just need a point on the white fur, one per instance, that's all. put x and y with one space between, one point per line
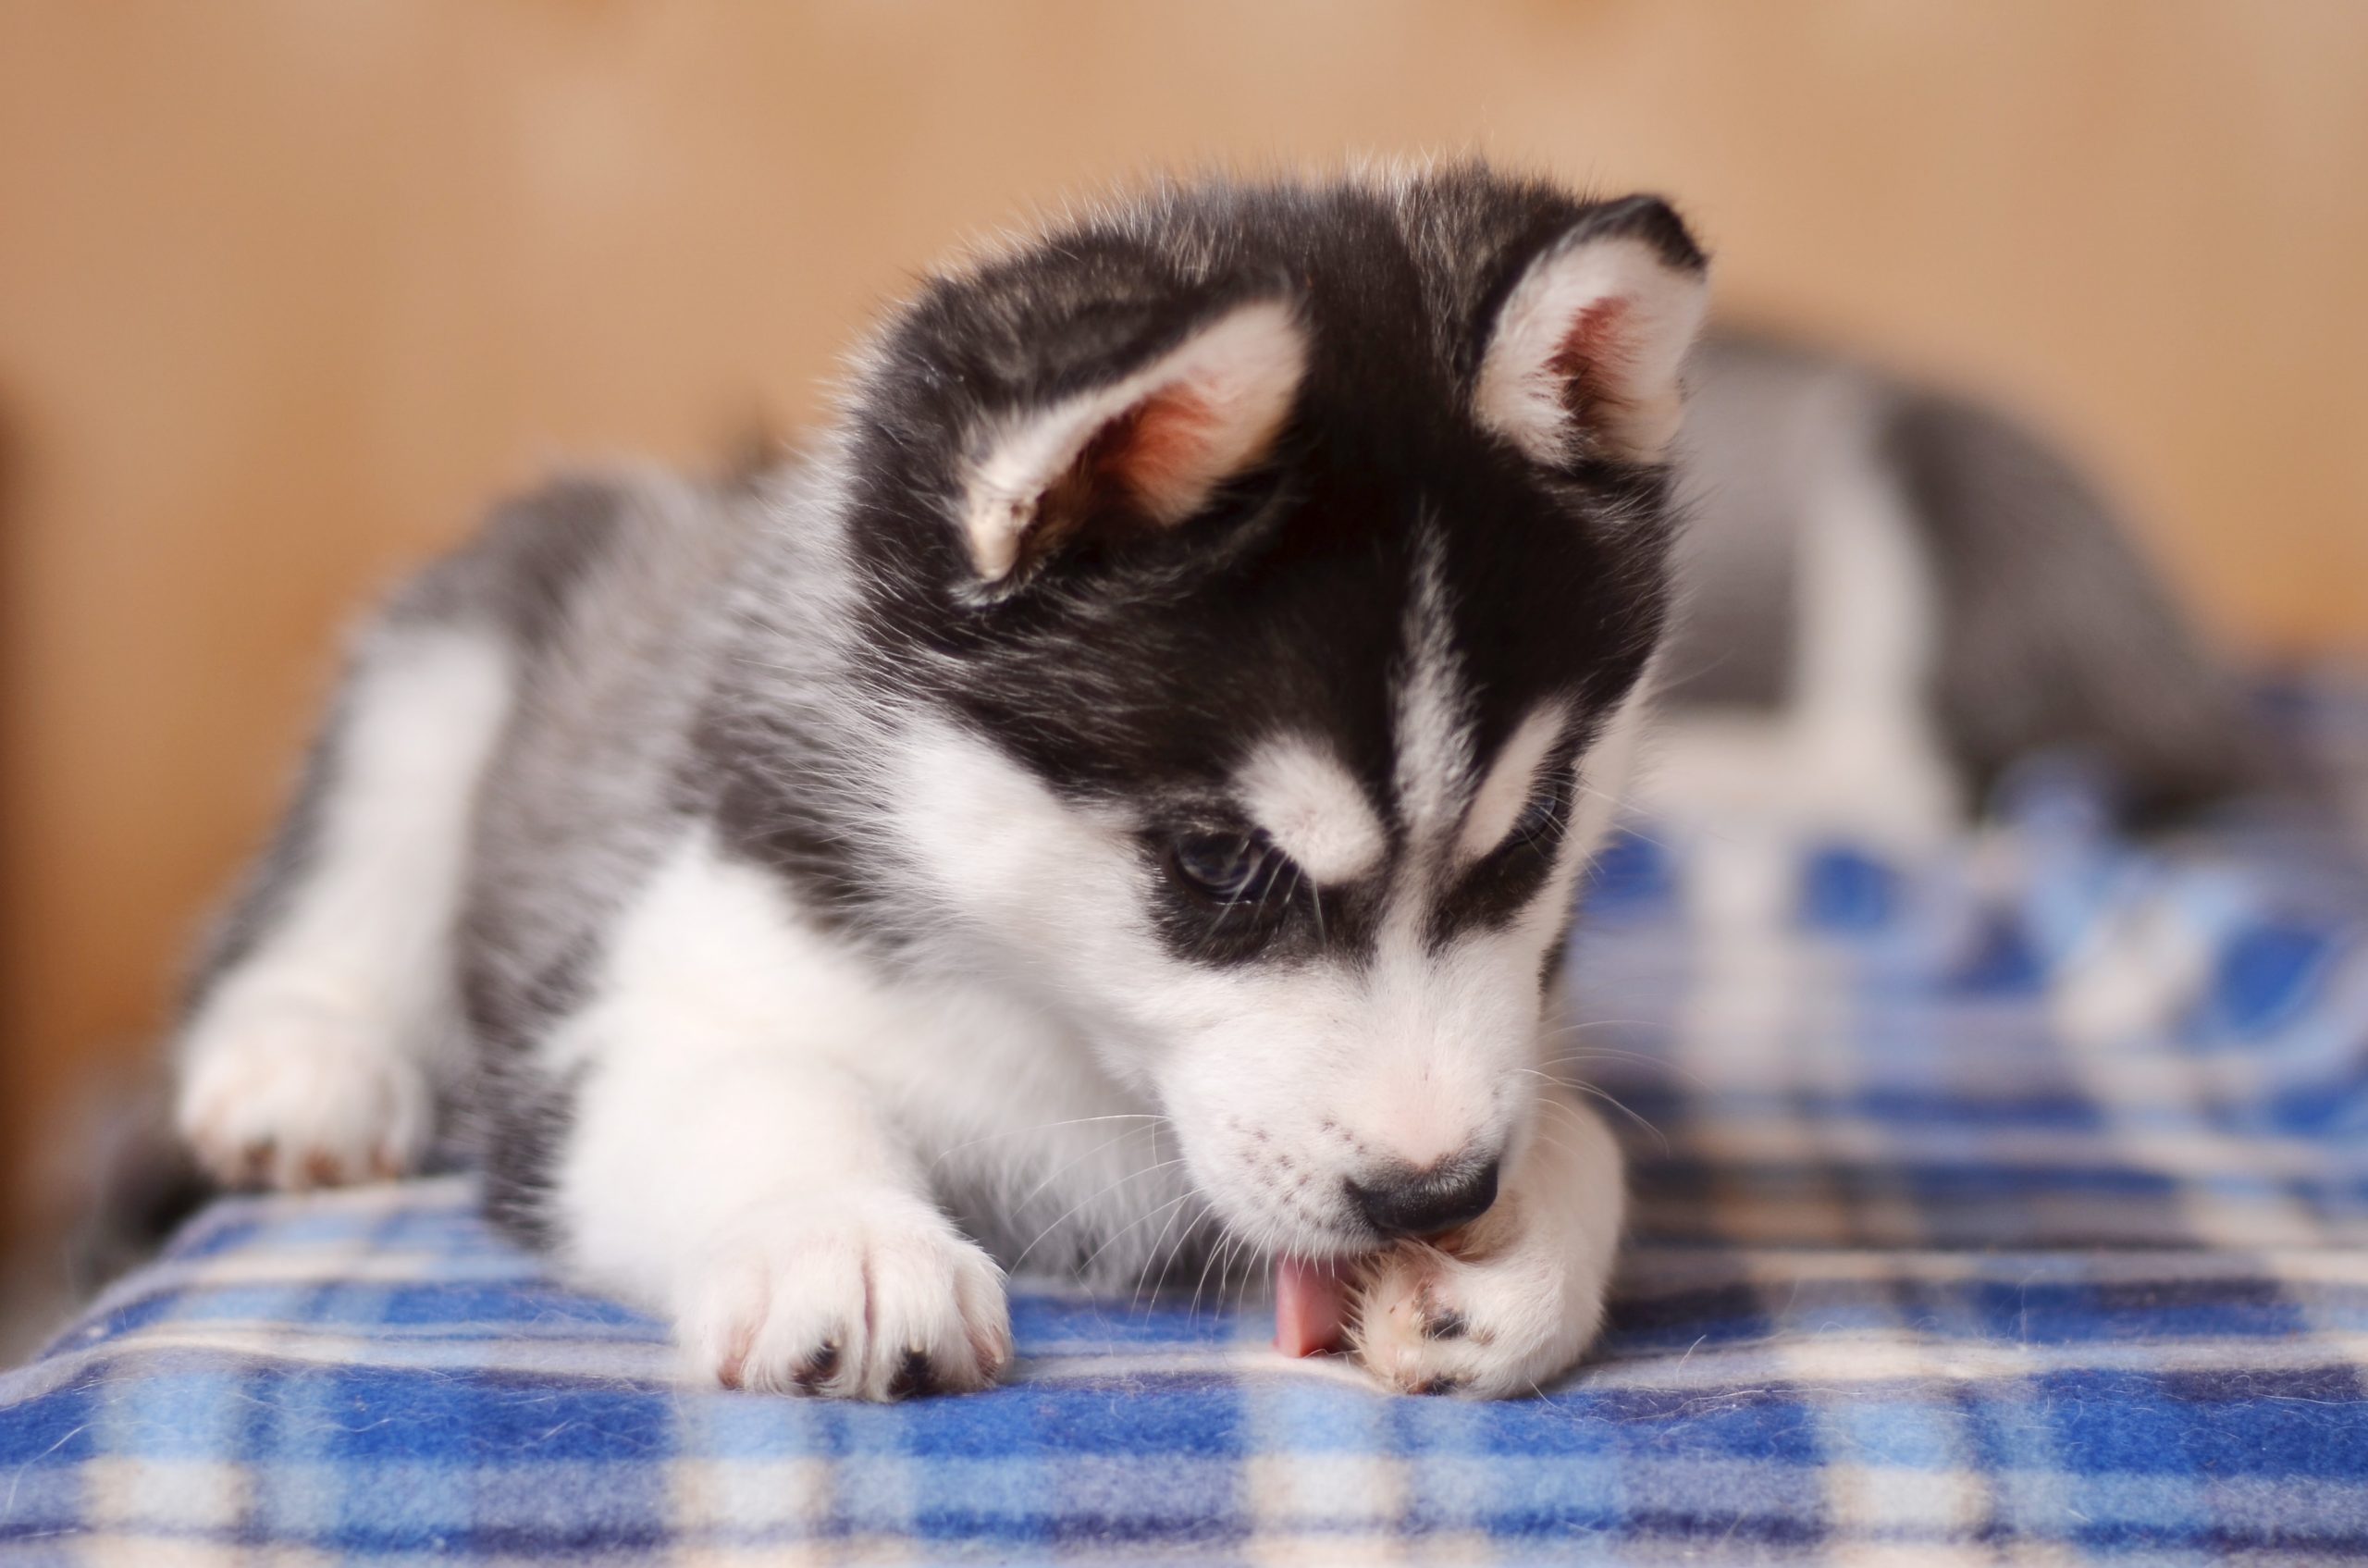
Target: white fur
1856 753
732 1167
1650 312
1434 740
1870 618
1511 781
1313 808
1038 895
1039 1127
1608 769
313 1060
1243 369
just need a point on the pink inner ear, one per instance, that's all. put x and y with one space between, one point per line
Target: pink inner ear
1160 449
1156 457
1593 361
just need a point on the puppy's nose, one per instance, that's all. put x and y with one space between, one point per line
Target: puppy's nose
1407 1202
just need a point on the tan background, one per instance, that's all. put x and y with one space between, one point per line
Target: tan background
288 289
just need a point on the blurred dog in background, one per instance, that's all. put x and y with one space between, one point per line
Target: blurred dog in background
1890 594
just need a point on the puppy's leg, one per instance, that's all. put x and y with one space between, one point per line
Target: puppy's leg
1511 1301
728 1166
307 1057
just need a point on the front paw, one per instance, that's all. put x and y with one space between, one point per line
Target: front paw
1429 1321
1508 1304
289 1092
877 1301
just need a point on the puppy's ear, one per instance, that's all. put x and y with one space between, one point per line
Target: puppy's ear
1146 449
1582 360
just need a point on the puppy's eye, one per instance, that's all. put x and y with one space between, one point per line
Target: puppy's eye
1231 868
1542 820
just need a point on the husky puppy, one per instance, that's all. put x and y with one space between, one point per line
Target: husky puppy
1890 594
1114 804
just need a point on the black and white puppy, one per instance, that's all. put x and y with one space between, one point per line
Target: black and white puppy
1114 804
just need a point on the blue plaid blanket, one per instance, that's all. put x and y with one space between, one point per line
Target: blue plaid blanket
2011 1207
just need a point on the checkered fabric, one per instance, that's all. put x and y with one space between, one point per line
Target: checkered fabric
2007 1206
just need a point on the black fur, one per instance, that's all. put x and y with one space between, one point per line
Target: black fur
1136 667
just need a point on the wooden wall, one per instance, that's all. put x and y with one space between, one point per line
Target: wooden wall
288 289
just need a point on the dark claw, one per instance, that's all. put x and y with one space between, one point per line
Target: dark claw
817 1368
255 1163
1439 1386
915 1377
1448 1324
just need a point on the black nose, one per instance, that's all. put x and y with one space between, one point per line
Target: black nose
1423 1203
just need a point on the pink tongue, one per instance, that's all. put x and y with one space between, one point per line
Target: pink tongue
1311 1307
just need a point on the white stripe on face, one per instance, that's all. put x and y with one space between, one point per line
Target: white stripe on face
1511 780
1313 808
1433 728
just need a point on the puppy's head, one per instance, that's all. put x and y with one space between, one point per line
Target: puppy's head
1264 576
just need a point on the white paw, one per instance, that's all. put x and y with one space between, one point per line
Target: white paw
876 1302
1509 1303
289 1092
1428 1322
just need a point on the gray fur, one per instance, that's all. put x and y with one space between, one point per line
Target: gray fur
617 632
2053 632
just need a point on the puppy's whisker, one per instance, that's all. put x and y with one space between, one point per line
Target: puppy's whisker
1086 1266
1153 1259
1616 1104
1072 1162
1224 1250
1556 1031
1084 1204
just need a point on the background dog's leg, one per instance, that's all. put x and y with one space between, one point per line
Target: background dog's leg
309 1055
